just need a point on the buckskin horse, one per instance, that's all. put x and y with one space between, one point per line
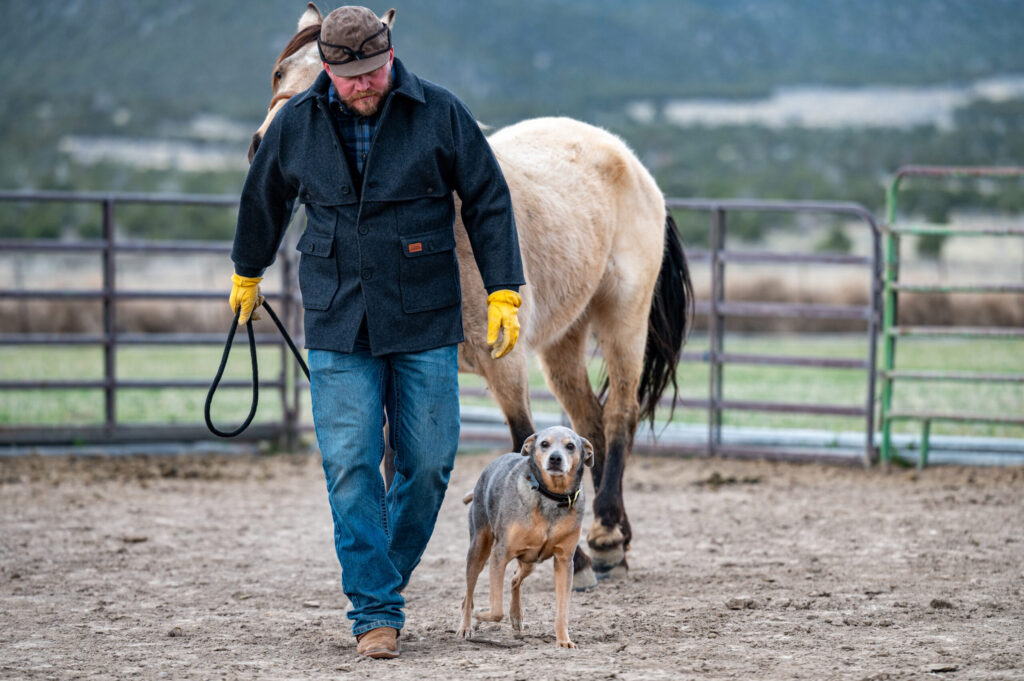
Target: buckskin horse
601 255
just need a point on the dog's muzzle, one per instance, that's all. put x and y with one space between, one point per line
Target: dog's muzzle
556 463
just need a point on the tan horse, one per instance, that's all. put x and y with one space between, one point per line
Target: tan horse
600 255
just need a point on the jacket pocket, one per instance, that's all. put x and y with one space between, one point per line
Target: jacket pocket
318 271
424 214
429 275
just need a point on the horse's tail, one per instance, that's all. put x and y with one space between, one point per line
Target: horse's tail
668 324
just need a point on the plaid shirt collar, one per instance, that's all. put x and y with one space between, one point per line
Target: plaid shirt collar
356 131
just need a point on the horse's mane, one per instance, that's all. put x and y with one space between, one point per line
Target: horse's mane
298 41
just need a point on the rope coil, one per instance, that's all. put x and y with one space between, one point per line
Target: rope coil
255 370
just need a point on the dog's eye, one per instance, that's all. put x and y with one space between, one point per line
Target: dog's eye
570 446
545 444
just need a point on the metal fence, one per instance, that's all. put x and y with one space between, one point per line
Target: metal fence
718 308
107 248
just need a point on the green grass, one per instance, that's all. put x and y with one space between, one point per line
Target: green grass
142 405
741 382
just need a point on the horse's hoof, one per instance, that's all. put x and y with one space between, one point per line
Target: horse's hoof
609 563
584 580
616 572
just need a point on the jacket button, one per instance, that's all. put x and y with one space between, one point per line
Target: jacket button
367 273
364 230
346 189
312 248
430 190
306 196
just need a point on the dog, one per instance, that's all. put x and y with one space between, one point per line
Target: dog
527 506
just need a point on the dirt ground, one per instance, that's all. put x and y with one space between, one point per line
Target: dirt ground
223 568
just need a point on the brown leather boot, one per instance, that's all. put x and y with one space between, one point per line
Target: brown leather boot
379 643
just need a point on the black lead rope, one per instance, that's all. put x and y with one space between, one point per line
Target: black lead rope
255 370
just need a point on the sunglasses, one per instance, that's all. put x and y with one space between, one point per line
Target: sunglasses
354 55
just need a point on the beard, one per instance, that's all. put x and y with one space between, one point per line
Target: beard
369 102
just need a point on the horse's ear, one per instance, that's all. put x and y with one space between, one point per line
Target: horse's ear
311 17
389 18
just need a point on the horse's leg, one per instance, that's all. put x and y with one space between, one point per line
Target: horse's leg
583 577
564 366
622 336
509 381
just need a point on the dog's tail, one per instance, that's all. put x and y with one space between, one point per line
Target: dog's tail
468 499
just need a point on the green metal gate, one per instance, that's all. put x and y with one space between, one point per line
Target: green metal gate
892 330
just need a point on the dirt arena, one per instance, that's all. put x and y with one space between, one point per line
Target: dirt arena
223 568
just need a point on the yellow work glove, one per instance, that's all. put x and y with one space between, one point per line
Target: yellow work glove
502 313
245 293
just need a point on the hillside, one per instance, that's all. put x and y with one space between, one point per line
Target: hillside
83 79
508 58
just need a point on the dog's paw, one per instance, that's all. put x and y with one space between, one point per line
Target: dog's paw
485 615
566 644
517 622
465 632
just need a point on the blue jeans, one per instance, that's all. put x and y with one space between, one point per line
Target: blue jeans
379 537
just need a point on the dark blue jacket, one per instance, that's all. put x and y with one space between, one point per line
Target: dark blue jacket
386 249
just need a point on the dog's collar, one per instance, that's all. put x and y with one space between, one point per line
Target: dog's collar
564 500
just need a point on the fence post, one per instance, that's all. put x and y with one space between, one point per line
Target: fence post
889 303
716 330
289 407
876 321
109 320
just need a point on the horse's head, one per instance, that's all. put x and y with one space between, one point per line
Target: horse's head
295 70
297 67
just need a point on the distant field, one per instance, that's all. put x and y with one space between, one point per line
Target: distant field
742 382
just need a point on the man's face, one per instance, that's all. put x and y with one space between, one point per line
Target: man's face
364 94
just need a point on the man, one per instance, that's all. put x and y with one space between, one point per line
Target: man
375 153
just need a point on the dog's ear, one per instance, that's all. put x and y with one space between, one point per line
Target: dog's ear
588 452
527 449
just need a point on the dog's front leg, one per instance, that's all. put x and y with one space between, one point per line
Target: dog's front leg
478 552
515 605
563 587
499 560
